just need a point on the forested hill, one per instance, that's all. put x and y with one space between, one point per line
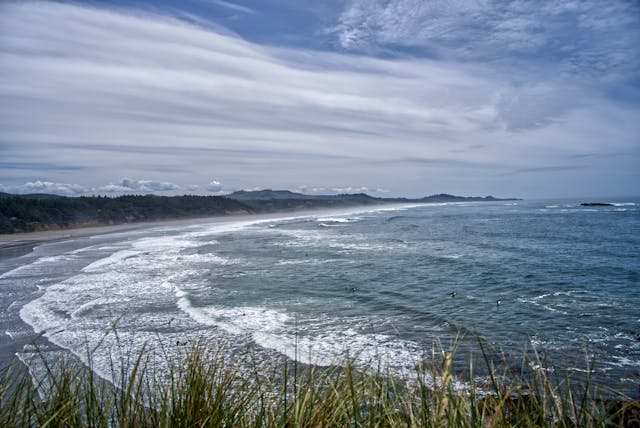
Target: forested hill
283 200
269 201
28 213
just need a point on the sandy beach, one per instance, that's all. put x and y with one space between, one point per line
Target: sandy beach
15 243
21 243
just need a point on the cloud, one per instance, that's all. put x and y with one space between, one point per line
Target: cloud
101 78
115 94
350 189
587 37
327 190
124 186
128 185
548 168
131 186
234 6
130 80
65 189
214 186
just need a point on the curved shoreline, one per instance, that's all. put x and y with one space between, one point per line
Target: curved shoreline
21 243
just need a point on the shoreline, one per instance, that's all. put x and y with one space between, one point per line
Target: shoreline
27 238
24 242
169 227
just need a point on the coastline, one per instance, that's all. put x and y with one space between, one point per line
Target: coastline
24 242
158 229
15 244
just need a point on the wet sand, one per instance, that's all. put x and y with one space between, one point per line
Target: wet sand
21 243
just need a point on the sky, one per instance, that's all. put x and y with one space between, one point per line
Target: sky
531 99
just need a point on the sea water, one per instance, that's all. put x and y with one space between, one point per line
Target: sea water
387 285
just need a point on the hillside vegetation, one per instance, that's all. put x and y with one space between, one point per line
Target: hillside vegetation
28 214
35 212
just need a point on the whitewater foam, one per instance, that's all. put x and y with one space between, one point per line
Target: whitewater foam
257 285
326 348
338 219
234 320
38 266
113 259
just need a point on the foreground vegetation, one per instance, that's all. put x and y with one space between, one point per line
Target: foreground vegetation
200 390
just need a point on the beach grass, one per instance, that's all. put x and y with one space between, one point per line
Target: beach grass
202 389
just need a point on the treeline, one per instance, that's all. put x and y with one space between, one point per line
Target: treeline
44 212
29 213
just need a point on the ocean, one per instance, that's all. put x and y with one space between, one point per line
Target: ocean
390 285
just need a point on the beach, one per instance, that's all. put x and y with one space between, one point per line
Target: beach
391 287
30 239
262 284
14 244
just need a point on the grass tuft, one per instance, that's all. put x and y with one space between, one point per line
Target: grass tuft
202 389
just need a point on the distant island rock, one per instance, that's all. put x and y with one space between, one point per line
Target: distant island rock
596 204
36 212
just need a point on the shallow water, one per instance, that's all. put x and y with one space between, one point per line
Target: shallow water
375 283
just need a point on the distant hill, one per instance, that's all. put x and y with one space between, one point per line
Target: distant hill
280 195
28 213
269 201
33 212
444 197
265 195
268 194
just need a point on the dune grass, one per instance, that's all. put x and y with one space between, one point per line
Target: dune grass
201 389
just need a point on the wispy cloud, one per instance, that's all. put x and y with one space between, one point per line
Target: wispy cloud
123 95
124 186
548 169
589 37
128 185
321 190
42 166
234 6
49 187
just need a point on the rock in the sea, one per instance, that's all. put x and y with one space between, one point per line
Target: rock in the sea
596 204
